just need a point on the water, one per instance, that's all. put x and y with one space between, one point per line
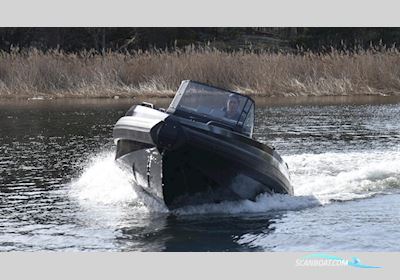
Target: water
61 190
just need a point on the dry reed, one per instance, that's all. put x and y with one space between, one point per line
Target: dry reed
57 74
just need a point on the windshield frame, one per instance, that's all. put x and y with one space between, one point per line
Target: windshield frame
236 125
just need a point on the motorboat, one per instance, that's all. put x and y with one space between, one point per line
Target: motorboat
200 149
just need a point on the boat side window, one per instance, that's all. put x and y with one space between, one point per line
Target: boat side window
248 125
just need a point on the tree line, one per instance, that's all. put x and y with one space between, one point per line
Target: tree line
102 39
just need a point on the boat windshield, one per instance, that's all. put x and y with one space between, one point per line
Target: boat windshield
214 106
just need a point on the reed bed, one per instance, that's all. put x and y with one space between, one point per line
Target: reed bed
55 74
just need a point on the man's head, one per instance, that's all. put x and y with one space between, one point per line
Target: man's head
232 105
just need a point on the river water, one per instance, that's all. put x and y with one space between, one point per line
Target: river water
61 190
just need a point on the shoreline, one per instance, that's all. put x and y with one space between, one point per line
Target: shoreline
164 101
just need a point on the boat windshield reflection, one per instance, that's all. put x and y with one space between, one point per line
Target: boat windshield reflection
204 103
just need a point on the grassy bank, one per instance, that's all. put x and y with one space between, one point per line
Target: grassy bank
56 74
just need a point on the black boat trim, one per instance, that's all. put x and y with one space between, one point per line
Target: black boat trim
225 134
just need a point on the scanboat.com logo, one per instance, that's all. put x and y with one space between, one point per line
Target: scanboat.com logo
329 260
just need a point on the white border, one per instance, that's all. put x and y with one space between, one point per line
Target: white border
201 13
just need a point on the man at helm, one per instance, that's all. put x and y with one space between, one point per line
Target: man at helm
232 107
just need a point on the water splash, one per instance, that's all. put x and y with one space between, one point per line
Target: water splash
263 203
104 182
317 178
345 176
